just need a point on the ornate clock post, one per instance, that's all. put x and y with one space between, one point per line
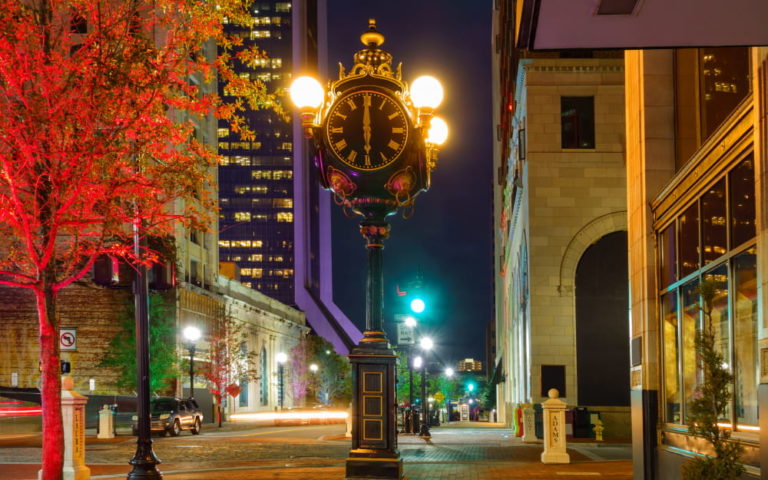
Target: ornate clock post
376 144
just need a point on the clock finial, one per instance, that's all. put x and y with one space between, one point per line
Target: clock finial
372 38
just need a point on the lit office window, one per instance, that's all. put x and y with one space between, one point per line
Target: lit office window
284 217
242 216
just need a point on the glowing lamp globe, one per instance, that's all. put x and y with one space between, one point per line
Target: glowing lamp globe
306 92
417 305
438 131
192 334
281 357
313 367
426 343
426 92
449 372
417 361
410 322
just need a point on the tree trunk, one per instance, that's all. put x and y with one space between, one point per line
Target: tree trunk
50 390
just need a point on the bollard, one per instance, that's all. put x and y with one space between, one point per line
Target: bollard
73 418
598 430
554 430
529 424
106 422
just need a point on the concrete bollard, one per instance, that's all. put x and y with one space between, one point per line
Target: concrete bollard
73 413
554 430
106 423
529 424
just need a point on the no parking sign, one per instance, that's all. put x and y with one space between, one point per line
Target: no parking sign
67 339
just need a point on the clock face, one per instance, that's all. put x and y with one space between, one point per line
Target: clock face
367 130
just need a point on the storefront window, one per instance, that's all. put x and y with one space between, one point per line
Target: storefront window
691 323
745 336
716 246
742 199
719 318
714 231
669 256
671 359
689 240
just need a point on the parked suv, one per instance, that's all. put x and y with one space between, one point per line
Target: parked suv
171 415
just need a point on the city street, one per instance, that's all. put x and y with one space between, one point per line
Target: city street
459 451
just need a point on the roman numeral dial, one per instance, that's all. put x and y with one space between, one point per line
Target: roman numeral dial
367 130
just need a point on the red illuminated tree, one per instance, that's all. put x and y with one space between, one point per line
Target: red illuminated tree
300 378
98 107
229 360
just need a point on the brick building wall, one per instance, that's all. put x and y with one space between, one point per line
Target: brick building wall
93 310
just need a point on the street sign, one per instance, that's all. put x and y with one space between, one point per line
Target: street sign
68 339
405 335
439 396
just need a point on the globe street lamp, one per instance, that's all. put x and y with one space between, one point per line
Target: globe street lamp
426 345
375 153
281 359
192 335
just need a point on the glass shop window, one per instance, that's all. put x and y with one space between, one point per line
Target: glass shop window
714 231
689 240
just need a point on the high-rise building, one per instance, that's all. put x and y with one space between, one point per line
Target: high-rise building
469 365
256 177
275 220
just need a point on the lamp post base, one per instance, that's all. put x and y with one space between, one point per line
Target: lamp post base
374 466
374 453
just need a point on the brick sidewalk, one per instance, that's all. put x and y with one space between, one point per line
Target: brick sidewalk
452 453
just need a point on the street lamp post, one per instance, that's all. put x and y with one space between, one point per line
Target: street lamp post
410 322
415 422
144 461
449 372
376 145
426 345
192 334
281 359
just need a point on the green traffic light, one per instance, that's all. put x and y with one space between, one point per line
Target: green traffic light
471 387
417 305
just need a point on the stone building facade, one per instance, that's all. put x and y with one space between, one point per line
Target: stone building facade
696 116
563 195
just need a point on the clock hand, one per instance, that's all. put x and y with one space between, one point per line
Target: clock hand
367 128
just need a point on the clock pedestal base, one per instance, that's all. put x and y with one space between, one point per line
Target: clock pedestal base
374 453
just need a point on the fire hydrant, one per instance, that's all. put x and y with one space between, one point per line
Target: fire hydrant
598 430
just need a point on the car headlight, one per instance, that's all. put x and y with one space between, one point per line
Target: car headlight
164 416
135 418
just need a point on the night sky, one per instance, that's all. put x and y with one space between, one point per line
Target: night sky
449 238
